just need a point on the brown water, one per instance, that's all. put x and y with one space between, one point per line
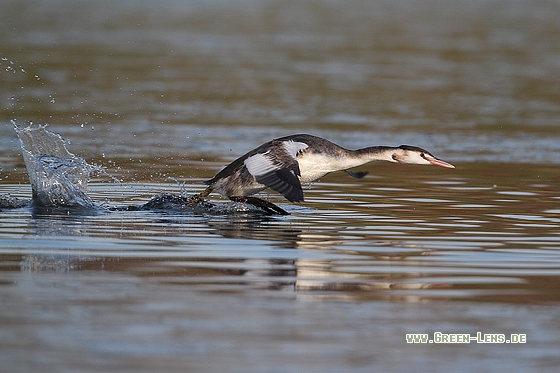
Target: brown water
164 94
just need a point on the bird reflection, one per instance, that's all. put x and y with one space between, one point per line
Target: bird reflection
280 255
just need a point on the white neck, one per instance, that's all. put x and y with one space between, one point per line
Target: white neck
316 165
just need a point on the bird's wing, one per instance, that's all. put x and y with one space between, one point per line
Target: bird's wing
278 169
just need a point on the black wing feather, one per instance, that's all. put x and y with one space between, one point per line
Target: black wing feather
285 182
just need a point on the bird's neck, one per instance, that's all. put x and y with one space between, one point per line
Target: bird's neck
314 165
370 154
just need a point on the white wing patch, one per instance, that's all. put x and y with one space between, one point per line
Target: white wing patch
278 168
259 164
294 147
263 163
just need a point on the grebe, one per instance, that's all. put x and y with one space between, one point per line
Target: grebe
285 163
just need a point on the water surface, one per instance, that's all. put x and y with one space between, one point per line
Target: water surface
162 96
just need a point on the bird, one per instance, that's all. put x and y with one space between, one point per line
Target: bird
285 163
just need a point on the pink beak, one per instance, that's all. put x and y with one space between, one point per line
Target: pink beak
438 162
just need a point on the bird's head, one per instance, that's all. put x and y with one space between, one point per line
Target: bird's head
415 155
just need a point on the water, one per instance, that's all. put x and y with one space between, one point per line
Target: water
57 177
162 96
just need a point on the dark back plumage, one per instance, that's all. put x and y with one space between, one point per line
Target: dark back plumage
273 164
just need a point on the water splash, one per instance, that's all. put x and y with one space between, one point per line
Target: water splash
57 177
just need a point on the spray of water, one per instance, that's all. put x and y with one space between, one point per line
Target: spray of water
57 177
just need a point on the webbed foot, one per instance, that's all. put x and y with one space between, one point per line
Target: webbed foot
268 207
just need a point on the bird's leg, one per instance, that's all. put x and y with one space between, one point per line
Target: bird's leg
197 198
268 207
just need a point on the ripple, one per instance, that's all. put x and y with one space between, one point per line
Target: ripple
518 193
424 200
475 206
